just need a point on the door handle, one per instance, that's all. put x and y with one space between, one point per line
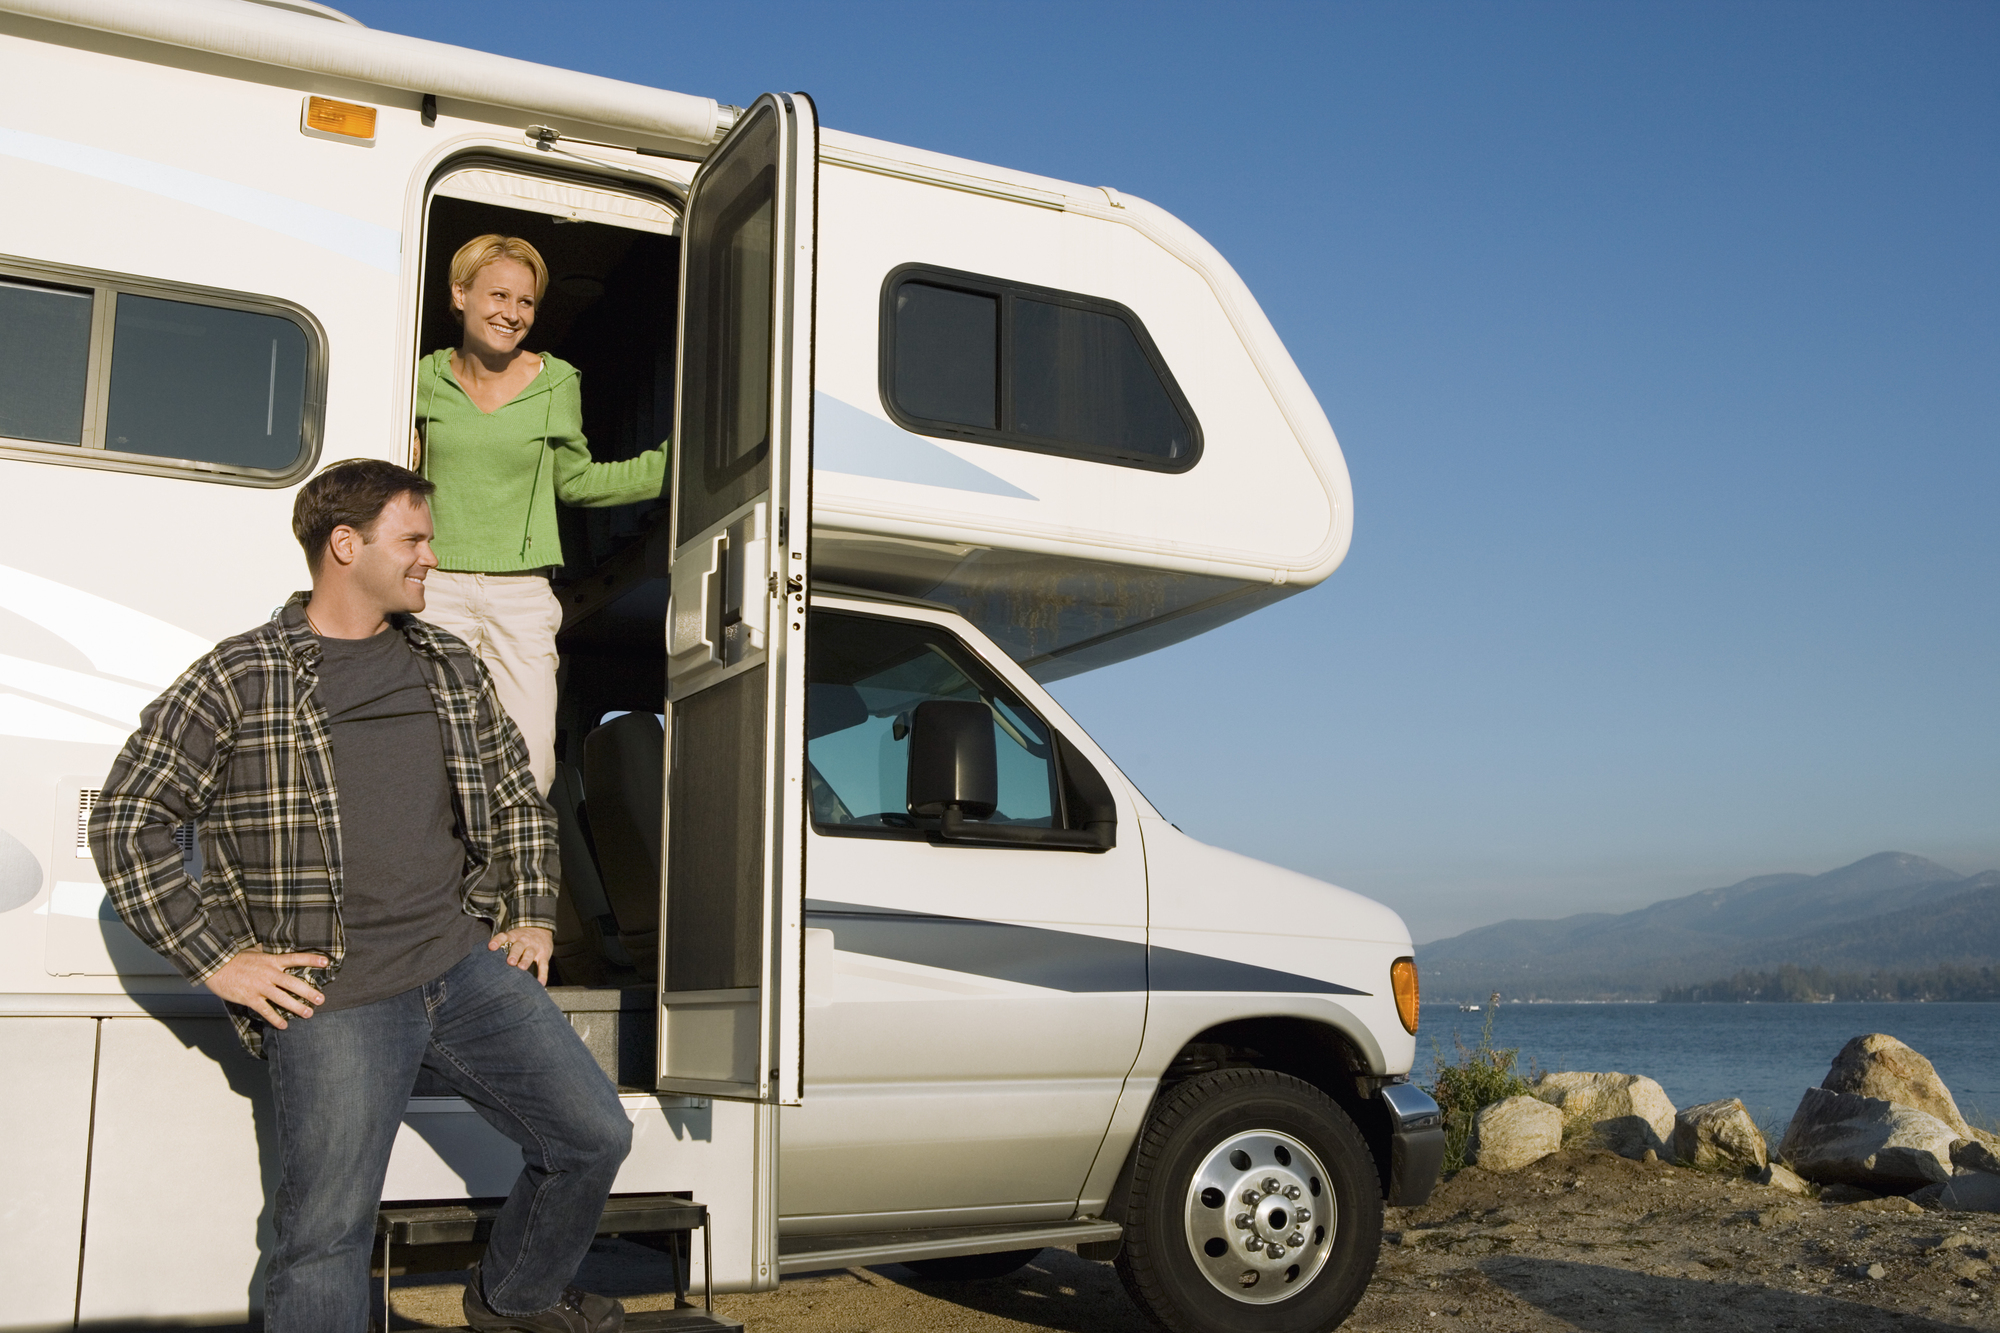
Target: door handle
694 624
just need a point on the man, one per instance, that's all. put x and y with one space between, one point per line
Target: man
378 898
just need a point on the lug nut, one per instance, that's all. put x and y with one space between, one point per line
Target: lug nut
1252 1197
1303 1214
1275 1250
1296 1238
1252 1244
1270 1184
1293 1191
1244 1221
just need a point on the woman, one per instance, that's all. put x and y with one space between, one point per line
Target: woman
500 430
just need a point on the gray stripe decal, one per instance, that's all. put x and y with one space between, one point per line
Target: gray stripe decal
1035 956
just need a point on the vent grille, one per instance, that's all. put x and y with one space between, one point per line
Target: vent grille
86 801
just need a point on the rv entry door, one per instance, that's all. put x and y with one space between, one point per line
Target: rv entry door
732 905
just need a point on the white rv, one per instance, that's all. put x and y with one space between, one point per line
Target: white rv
889 960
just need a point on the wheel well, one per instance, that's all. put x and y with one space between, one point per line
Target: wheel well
1315 1053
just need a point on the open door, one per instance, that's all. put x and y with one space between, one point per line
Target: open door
733 880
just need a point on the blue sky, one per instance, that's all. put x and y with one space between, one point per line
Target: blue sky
1661 341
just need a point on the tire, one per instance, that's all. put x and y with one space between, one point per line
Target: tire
970 1267
1214 1143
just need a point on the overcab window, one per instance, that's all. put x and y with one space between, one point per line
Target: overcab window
976 358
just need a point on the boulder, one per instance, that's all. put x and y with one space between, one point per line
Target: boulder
1879 1066
1508 1135
1719 1136
1781 1177
1973 1192
1973 1155
1626 1113
1838 1138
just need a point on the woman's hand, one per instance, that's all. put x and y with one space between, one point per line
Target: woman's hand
527 947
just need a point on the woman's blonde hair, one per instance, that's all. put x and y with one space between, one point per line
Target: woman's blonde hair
480 251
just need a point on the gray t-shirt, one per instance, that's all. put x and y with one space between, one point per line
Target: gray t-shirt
401 858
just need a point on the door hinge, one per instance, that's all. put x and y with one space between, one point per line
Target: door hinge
773 584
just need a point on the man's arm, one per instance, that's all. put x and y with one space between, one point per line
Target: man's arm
167 774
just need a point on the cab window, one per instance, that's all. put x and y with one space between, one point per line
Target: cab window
865 678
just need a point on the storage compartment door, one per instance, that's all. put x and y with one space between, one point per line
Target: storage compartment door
733 897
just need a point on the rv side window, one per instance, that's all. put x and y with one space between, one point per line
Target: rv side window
975 358
44 361
864 678
127 374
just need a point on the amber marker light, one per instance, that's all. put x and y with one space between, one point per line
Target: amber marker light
1403 980
325 118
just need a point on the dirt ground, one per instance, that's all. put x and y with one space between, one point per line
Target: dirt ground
1579 1241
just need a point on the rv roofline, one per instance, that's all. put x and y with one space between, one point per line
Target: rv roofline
293 39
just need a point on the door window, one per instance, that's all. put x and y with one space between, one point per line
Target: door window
865 678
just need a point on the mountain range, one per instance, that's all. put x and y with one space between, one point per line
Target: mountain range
1891 910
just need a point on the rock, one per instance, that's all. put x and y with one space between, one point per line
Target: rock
1781 1177
1625 1113
1881 1067
1972 1155
1719 1136
1841 1138
1888 1203
1975 1192
1840 1193
1508 1135
1971 1270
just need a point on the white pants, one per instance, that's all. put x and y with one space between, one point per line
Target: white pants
510 620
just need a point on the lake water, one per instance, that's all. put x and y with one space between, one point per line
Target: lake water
1767 1054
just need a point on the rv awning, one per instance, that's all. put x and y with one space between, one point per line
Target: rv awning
297 40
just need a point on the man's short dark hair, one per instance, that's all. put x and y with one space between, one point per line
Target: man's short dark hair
351 493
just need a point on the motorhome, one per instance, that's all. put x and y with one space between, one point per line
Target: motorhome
889 961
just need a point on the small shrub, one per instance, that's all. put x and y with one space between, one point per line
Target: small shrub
1480 1076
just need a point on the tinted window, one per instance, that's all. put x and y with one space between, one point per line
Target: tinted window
206 383
948 354
44 362
975 358
1081 377
864 678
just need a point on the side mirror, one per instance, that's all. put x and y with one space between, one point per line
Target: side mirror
952 763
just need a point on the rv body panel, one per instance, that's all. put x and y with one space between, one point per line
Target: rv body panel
162 149
46 1124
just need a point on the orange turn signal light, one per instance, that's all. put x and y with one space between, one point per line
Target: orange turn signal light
1403 981
339 120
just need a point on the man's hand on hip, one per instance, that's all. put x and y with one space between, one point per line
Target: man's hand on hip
260 983
528 947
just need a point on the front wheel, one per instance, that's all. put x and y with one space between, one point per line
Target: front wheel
1254 1207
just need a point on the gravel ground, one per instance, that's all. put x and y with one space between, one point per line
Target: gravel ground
1579 1241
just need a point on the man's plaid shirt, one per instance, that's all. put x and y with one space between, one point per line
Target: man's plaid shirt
240 745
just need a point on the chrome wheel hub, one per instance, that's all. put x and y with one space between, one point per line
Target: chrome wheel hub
1260 1216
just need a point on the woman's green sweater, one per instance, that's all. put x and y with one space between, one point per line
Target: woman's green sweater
500 474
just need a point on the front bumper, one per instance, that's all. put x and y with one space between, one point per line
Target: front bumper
1416 1143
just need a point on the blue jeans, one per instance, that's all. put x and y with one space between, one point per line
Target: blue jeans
341 1081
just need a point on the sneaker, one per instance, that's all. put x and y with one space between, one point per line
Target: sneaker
578 1311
